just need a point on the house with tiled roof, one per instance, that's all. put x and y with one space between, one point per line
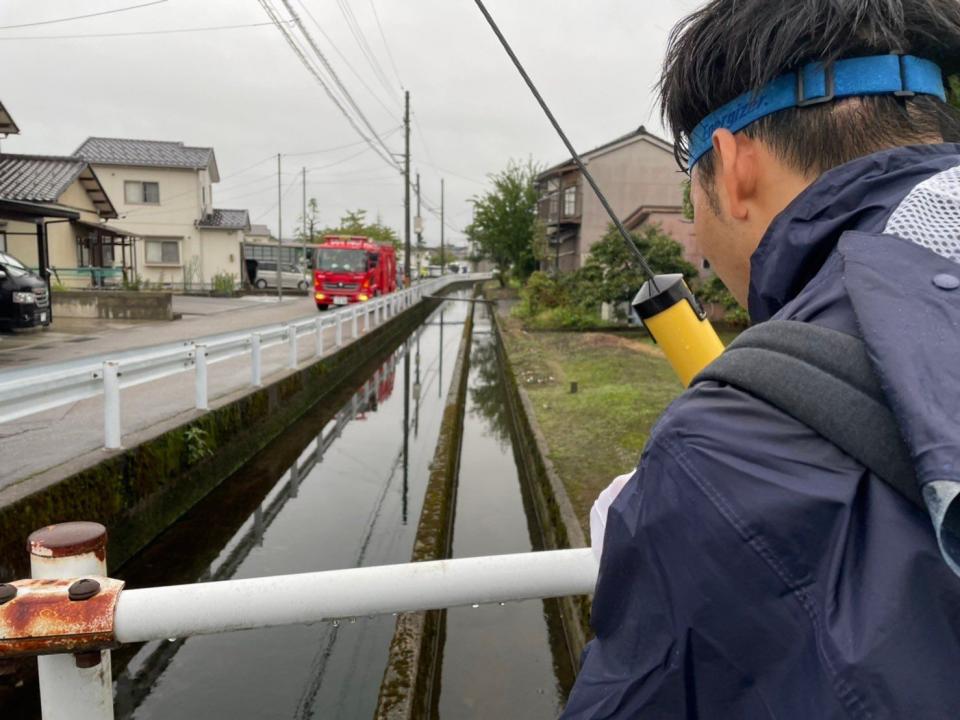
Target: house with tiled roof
638 174
55 213
164 192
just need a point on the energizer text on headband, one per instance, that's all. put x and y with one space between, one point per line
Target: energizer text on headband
818 83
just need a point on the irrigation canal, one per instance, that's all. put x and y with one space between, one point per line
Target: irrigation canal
343 487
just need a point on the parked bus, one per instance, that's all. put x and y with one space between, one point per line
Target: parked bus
349 269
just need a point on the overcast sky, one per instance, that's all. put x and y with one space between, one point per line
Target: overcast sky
245 93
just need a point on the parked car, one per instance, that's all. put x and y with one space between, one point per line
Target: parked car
291 276
24 298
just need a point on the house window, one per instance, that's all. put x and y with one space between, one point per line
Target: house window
141 193
554 205
570 201
163 252
705 264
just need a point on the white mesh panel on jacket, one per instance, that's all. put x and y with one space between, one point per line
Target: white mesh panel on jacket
930 215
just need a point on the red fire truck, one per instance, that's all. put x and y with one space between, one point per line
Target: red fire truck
349 269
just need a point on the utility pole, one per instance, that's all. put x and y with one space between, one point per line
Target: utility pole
406 184
304 235
443 252
279 230
419 226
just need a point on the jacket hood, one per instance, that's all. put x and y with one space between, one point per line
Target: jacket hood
860 195
894 221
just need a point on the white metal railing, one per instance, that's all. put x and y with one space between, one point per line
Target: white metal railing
179 611
34 390
79 687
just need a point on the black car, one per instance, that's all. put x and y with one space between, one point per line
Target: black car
24 298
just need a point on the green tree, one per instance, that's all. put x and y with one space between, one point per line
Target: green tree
618 273
355 223
505 226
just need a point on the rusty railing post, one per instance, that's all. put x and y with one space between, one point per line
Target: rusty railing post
78 687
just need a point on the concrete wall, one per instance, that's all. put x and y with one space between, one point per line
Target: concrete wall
411 681
114 305
638 172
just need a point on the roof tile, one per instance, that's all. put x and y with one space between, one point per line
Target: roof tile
143 153
37 178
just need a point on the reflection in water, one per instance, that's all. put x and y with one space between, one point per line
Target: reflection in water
137 679
510 660
355 484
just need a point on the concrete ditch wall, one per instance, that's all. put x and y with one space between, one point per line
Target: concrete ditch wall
113 305
411 682
555 515
137 492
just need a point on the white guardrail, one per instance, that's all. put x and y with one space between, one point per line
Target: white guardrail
85 613
34 390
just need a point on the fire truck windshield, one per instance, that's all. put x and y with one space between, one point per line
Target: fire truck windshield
334 259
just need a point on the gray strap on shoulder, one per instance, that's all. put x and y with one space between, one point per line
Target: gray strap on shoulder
823 379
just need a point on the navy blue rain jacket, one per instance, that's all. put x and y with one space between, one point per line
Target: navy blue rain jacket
750 569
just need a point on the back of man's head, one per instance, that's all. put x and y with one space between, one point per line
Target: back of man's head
732 47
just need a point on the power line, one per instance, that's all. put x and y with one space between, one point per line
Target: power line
364 46
82 17
386 45
385 135
138 32
346 61
291 41
329 68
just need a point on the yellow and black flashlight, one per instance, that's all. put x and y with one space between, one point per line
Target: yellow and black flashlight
677 322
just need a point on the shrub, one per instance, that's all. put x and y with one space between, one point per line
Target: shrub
714 291
224 283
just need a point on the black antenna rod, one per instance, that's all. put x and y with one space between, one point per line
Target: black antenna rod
573 153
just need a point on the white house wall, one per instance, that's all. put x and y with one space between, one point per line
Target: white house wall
221 253
174 217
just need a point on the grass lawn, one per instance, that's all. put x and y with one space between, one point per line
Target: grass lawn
598 433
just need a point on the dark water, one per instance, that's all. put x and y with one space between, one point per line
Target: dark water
350 497
343 487
498 661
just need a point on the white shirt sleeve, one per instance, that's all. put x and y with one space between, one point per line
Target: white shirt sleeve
598 514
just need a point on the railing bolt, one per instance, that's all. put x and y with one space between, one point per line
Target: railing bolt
7 593
83 589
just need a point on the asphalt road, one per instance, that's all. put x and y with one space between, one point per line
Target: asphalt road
69 339
36 450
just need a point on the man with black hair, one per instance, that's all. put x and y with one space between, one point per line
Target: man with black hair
750 567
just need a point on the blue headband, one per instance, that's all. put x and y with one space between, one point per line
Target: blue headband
815 84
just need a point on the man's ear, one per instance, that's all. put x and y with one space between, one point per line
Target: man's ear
737 171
